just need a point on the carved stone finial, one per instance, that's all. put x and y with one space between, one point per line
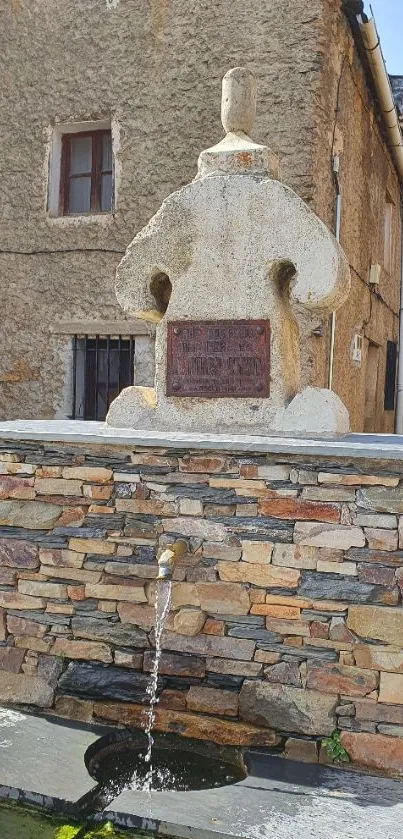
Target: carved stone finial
236 153
238 103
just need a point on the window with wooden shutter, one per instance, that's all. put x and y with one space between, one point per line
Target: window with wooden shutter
390 376
86 178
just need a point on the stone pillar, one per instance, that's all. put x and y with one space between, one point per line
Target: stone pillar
144 360
219 268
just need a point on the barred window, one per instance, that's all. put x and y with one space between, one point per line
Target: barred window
102 367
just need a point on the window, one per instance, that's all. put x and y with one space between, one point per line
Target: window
102 367
86 174
388 235
390 376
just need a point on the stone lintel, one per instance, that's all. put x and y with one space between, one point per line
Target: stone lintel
100 327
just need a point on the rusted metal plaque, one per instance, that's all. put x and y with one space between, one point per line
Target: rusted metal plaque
218 358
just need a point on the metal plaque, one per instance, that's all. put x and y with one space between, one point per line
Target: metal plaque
218 358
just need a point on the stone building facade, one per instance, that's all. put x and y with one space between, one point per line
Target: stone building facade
148 73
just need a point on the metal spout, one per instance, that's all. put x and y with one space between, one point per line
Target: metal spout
169 556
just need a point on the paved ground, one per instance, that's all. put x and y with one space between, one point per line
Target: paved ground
41 761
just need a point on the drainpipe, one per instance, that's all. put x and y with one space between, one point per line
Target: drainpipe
391 120
336 169
381 79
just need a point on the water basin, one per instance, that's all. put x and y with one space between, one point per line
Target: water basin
117 762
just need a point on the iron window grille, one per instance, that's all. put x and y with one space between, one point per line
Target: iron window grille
102 367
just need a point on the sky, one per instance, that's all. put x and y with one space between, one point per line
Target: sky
389 20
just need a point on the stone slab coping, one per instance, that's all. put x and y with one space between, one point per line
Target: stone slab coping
44 756
42 763
372 446
280 799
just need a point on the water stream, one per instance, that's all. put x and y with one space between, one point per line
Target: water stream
162 606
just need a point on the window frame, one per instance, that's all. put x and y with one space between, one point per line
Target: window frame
96 172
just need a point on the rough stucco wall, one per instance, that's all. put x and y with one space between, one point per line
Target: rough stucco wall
156 68
367 175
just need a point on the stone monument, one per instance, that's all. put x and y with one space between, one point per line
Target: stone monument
218 269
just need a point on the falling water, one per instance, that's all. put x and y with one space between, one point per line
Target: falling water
162 605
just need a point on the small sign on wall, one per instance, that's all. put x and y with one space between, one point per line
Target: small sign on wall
356 352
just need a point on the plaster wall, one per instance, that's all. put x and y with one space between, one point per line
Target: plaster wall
154 69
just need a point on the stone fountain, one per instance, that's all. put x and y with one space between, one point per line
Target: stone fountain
282 553
221 268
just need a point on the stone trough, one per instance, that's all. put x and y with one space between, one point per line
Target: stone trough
43 765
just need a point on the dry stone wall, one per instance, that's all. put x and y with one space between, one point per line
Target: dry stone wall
287 616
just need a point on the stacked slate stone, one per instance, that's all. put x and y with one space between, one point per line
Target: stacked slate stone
286 620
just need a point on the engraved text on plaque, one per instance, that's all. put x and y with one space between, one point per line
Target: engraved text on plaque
218 358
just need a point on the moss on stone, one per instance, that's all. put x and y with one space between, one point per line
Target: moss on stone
17 822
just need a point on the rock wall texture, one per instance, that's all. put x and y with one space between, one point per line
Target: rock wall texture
155 69
286 619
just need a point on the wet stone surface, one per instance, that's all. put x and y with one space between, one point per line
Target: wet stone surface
44 766
98 682
280 799
118 763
